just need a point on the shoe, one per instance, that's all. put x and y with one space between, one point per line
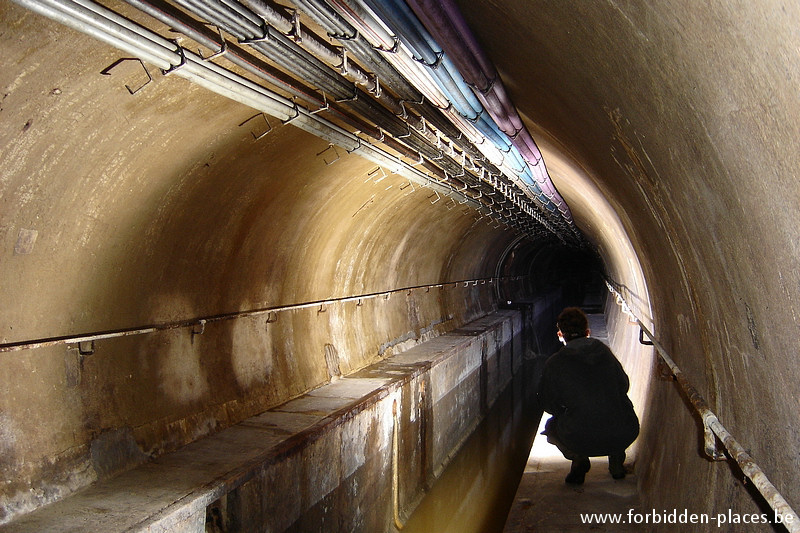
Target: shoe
616 465
577 473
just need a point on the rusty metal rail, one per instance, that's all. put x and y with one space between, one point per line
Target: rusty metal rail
198 324
714 430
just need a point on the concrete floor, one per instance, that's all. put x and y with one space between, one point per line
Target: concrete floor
545 503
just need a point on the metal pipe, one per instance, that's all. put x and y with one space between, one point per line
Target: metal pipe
266 11
90 23
152 328
126 35
309 40
286 52
176 20
712 424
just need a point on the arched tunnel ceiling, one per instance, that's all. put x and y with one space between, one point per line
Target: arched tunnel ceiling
173 175
669 129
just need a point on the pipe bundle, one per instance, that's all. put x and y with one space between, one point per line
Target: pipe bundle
389 79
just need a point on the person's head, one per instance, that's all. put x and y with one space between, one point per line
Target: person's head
572 324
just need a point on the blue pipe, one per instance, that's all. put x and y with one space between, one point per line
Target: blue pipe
404 24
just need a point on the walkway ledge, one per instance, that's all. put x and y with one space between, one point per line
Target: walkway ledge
320 462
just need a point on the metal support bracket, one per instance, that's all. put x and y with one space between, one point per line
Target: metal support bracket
223 48
198 329
294 33
86 348
710 444
374 172
408 128
107 72
377 90
349 98
290 119
328 149
357 146
406 186
392 50
260 135
343 66
324 107
173 68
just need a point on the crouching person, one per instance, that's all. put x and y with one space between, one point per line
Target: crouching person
585 388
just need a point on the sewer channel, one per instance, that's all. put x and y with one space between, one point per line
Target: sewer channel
474 493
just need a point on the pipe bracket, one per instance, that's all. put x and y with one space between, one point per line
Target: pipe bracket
223 48
256 40
435 65
330 147
326 105
173 68
86 348
296 114
260 135
710 445
408 127
377 90
392 50
349 98
343 66
107 72
199 328
295 33
357 146
374 172
406 186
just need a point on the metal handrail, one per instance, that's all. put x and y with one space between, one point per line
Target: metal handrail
713 430
202 321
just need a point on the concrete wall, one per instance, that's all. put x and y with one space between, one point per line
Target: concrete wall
670 128
684 117
151 210
334 459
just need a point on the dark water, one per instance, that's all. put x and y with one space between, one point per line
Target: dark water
476 490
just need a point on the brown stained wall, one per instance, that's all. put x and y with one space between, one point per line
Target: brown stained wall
159 207
686 115
670 128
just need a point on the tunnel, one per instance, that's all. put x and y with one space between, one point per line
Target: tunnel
267 265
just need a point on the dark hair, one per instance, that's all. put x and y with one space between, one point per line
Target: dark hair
573 323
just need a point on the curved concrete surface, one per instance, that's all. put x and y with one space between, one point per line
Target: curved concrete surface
670 130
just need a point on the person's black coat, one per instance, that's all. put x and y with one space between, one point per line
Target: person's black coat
585 388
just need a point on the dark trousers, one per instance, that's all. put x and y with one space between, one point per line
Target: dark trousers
552 437
615 460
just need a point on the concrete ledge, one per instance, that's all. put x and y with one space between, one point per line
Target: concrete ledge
321 461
